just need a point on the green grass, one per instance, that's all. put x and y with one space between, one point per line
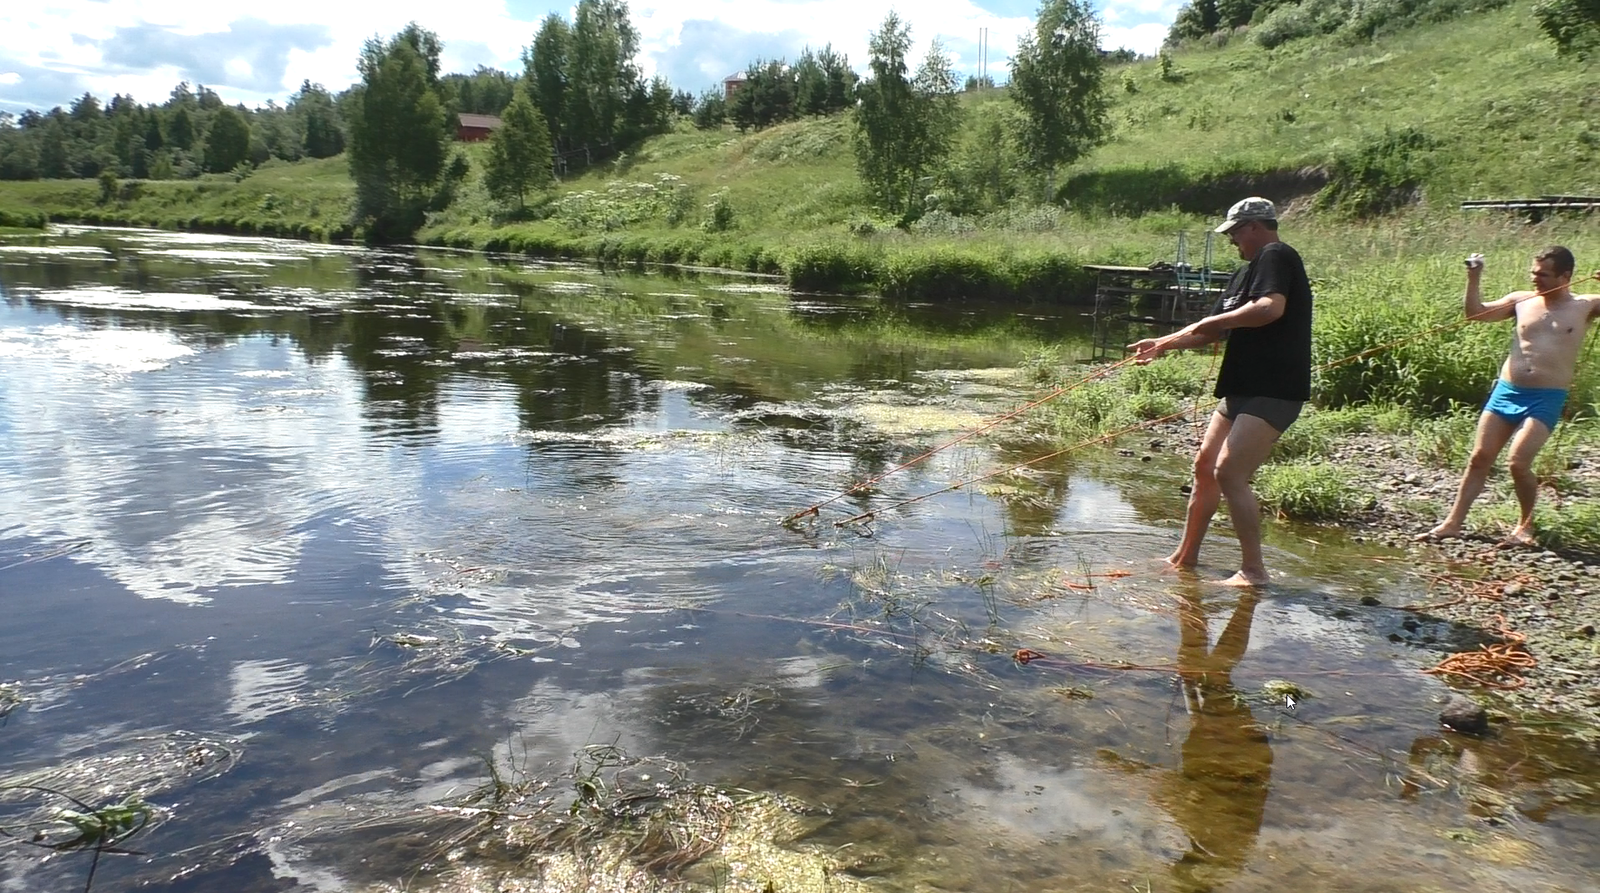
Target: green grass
307 199
1508 117
1310 491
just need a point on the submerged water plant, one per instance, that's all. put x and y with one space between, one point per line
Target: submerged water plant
82 826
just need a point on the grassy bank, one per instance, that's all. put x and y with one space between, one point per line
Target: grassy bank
305 200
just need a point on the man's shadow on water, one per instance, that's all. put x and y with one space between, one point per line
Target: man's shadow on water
1219 793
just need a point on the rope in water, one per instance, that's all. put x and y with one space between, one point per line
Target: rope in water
813 510
992 423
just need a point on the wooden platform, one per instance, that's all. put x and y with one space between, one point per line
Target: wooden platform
1535 208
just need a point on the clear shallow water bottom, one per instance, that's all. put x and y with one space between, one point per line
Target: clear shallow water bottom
291 540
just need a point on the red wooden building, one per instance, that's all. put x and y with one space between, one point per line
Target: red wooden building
474 128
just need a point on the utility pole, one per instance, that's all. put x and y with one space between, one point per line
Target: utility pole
983 58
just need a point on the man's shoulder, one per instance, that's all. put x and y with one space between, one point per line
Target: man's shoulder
1280 252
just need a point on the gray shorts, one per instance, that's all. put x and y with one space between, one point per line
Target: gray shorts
1280 414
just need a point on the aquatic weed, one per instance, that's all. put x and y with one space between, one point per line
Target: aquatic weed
99 829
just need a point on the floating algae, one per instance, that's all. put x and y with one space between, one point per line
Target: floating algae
1280 691
612 823
911 419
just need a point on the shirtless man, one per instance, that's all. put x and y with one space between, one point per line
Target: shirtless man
1527 400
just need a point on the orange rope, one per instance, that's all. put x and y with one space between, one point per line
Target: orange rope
812 510
1444 327
864 516
1486 666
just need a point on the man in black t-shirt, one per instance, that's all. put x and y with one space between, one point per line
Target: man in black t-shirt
1265 315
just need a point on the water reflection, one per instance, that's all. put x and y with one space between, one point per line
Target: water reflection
390 512
1219 794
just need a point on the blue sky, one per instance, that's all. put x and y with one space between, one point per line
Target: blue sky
52 52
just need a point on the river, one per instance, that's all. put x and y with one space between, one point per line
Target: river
296 540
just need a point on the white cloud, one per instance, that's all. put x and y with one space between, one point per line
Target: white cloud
52 52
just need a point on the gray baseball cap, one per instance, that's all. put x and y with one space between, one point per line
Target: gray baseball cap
1253 208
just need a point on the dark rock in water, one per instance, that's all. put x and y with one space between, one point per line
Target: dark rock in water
1464 715
1370 601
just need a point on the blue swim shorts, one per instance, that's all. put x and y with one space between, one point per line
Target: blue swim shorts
1515 404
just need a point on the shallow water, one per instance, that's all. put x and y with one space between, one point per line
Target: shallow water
291 534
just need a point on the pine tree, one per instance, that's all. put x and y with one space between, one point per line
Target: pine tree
519 152
398 133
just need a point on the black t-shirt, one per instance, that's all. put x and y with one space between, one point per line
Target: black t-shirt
1273 360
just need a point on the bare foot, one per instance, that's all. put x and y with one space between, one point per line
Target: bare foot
1520 537
1169 569
1244 579
1177 559
1443 531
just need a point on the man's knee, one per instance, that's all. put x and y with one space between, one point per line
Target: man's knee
1482 460
1521 468
1231 473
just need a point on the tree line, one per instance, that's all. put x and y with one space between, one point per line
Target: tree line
582 98
916 154
192 132
773 91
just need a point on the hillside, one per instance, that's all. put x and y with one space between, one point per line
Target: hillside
1504 115
1418 120
1468 109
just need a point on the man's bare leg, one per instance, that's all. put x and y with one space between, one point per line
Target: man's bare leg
1247 446
1205 496
1493 432
1525 446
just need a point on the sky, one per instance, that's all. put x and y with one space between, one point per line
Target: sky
54 52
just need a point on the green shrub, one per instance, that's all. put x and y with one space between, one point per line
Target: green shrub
941 274
1316 491
22 219
1357 20
1179 376
1390 314
832 266
1574 25
719 214
1144 407
1380 175
1042 364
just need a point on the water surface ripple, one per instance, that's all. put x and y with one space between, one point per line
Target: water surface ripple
291 536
